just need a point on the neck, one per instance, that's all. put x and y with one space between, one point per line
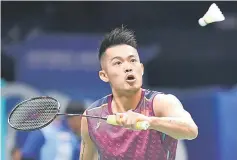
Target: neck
123 103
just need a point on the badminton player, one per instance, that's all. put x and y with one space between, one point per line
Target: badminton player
169 122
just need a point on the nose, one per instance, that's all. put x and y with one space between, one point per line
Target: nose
128 70
127 67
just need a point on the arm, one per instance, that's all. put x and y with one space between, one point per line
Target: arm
20 138
33 145
16 154
172 119
88 149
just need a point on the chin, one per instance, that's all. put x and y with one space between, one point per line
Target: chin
133 89
128 89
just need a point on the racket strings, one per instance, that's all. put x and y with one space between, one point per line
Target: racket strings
34 113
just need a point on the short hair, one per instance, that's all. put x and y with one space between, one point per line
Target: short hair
117 36
75 107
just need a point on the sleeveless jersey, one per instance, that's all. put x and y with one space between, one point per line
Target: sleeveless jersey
118 143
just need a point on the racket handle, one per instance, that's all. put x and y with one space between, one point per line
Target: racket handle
143 125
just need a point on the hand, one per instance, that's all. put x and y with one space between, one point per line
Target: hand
129 119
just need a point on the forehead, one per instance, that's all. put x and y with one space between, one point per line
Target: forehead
122 51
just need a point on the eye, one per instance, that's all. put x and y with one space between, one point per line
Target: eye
117 63
133 60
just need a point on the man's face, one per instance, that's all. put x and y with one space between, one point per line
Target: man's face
121 67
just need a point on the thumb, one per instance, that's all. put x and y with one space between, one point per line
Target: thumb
120 115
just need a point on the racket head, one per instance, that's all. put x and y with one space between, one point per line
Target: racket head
34 113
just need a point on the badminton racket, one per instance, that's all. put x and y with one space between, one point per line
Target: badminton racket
38 112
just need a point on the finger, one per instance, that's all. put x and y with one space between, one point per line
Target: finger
128 124
134 124
119 117
124 120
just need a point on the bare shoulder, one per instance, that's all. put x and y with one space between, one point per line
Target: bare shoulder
165 98
84 127
164 102
88 149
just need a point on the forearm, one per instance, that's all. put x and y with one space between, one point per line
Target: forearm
178 128
88 152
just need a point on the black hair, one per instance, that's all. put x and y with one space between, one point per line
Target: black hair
116 37
75 108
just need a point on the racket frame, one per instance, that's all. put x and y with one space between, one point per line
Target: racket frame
44 125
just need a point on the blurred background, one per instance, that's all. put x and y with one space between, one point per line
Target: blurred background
50 48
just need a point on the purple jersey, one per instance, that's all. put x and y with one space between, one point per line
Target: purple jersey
118 143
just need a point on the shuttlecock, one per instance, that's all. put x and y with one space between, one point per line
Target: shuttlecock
213 14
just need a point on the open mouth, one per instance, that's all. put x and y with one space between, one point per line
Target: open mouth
130 78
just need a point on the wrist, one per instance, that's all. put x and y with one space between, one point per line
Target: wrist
154 122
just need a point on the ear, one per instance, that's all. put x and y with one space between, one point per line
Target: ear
103 76
142 66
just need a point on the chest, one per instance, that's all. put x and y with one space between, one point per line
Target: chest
116 140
